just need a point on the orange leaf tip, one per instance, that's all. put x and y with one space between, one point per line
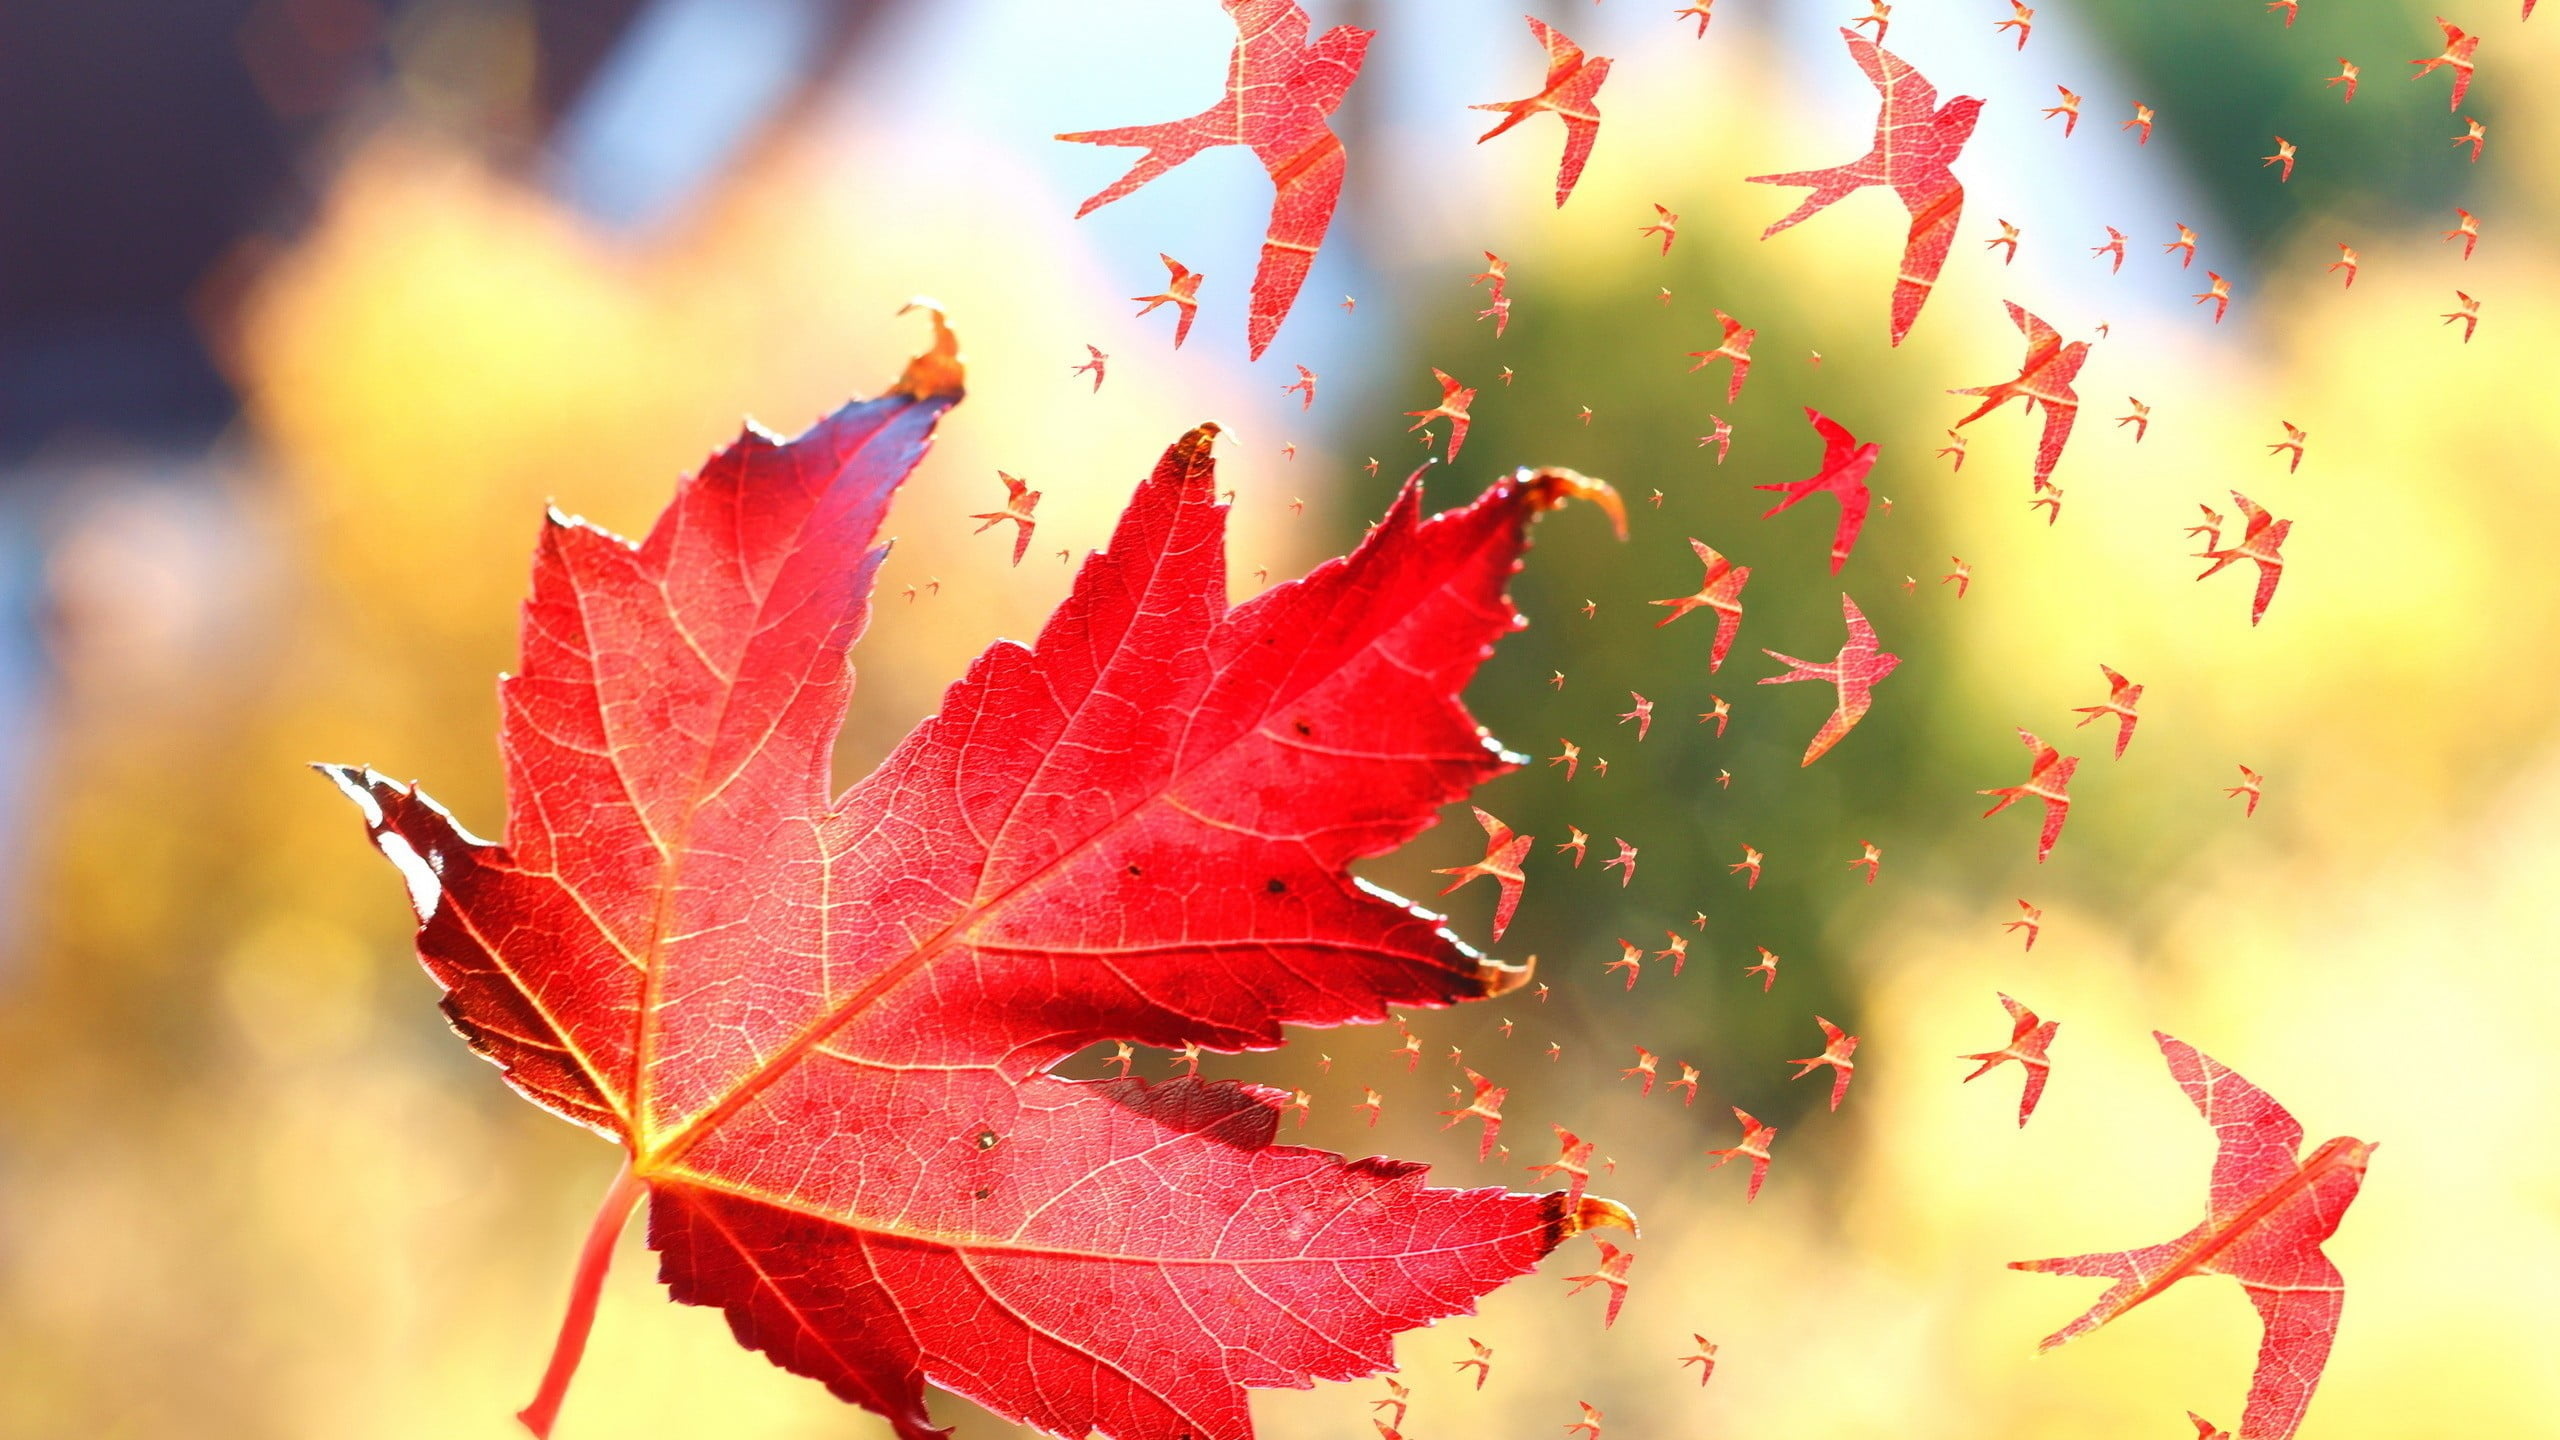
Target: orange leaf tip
1595 1213
939 371
1551 485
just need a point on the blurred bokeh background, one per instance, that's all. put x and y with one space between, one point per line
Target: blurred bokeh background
307 306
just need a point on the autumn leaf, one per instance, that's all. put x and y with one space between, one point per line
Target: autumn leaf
2270 1209
1280 92
823 1027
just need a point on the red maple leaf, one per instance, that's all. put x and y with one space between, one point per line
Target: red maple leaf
2044 378
1280 92
822 1027
1721 592
1845 464
1855 672
2270 1208
2029 1038
1572 91
1917 139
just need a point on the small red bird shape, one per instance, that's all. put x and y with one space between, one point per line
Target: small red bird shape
2348 261
2186 242
1721 714
1703 11
2008 236
1572 92
1304 387
2021 19
1590 1421
1916 142
1956 446
1280 93
2044 378
1845 463
1624 862
1879 14
1677 953
2475 135
1611 1272
1721 437
1574 1164
1767 969
1705 1359
1836 1049
1749 865
2048 780
1371 1101
2069 110
2219 294
2468 314
1571 760
2458 48
2294 438
1961 576
2290 8
2029 1038
2250 782
1503 854
2283 156
1646 1061
1873 860
2270 1207
1721 592
1395 1400
2140 419
1642 715
1093 367
1019 501
2348 73
1687 1084
2206 1429
2142 118
2030 919
1854 672
1482 1362
1577 845
1487 1107
1181 291
2124 699
1454 400
1668 227
2049 499
2468 231
1630 959
1499 312
1756 1140
2114 247
1495 270
1735 347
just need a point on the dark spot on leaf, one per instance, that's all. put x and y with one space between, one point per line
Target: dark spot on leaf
1274 886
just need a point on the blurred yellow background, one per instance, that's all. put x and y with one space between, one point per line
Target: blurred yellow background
250 1186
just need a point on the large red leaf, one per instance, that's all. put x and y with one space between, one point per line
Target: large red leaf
821 1027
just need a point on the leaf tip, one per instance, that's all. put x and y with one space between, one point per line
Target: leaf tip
1500 977
939 372
1595 1213
1551 485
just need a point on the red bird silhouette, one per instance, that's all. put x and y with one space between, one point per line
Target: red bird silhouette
2114 247
2044 378
1767 969
1916 141
2186 241
2250 785
1856 671
2348 73
1756 1139
2069 110
1845 464
2458 48
1642 715
2262 542
2030 919
2468 231
2283 156
2048 780
2028 1039
1735 347
1304 387
1879 14
2021 19
1703 11
1574 1164
1019 501
2475 135
1626 857
2140 419
1721 592
2008 236
2270 1207
1721 438
1181 291
1454 400
2142 118
1572 91
1503 852
2467 311
1836 1049
1094 366
1612 1272
2123 698
1487 1107
1668 227
1280 91
2219 292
